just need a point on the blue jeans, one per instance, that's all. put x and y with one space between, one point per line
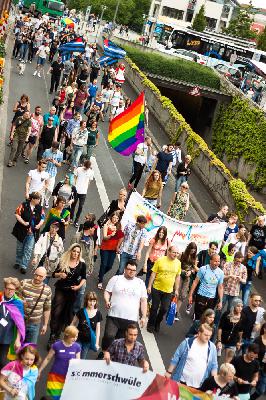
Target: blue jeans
124 258
228 299
85 348
76 154
245 289
23 51
32 333
261 386
24 251
89 151
179 182
79 299
107 261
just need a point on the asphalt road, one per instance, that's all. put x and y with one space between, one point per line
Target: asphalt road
112 172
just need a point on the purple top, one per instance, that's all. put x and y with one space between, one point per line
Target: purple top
63 355
68 114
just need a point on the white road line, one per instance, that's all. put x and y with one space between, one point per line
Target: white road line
114 164
148 338
153 352
46 87
100 184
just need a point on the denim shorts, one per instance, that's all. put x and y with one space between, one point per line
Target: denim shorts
40 61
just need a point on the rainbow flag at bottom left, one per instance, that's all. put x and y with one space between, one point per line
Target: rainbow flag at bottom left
126 130
55 384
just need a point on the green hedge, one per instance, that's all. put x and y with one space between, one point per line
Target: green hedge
182 70
240 131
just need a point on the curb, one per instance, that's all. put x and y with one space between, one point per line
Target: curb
4 106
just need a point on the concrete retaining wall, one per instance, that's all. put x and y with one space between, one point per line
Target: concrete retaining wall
211 175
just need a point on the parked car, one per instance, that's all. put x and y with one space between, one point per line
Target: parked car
233 74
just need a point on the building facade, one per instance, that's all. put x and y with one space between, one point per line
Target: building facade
182 12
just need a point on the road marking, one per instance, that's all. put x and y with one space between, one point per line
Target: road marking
46 87
114 164
148 338
153 352
100 184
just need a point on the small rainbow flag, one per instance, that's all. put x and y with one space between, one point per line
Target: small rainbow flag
55 384
126 130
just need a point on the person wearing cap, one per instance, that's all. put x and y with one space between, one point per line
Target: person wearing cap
48 249
48 135
85 239
51 114
37 298
54 158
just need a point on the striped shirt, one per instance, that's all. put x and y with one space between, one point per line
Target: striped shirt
29 291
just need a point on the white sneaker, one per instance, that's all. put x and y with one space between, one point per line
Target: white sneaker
39 75
34 73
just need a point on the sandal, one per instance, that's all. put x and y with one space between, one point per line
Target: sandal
100 286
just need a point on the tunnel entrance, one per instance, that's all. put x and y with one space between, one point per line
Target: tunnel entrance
198 111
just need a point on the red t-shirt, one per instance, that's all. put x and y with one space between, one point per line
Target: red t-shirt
111 244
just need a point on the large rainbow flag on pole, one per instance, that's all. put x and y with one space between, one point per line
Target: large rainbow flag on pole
126 130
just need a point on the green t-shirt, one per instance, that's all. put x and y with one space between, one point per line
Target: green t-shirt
22 128
92 137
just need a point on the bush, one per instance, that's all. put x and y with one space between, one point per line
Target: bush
239 131
178 69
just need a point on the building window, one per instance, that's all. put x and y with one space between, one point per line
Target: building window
189 16
211 23
172 13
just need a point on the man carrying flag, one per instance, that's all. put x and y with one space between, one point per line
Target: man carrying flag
139 162
126 136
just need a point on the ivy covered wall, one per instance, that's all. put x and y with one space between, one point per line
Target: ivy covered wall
240 132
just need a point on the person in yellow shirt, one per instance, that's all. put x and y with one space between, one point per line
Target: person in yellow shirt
164 279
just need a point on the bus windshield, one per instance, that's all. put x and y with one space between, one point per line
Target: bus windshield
56 6
164 35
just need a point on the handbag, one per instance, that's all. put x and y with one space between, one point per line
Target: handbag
104 218
93 334
170 317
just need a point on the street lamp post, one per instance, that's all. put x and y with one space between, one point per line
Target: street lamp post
101 17
116 10
144 16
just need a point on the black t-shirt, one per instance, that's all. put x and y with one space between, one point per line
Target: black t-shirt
216 216
230 330
164 160
6 332
84 331
258 236
245 370
210 384
74 276
262 352
57 68
248 320
47 136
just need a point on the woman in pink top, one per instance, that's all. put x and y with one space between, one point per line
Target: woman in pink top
157 248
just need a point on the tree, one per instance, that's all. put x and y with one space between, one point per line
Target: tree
200 21
262 41
240 25
126 11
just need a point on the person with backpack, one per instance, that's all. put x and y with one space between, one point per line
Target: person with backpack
187 367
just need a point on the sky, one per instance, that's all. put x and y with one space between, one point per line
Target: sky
256 3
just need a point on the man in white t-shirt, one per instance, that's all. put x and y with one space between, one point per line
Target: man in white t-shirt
37 180
82 178
140 160
124 296
42 54
187 366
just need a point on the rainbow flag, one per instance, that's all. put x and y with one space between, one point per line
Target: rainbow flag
55 384
126 130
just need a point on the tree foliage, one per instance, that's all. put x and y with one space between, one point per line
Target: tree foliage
240 25
262 41
200 21
130 12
